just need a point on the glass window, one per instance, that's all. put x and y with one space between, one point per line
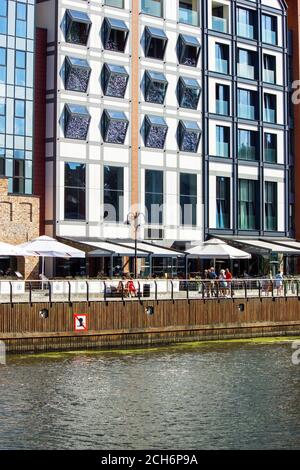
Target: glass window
269 72
188 198
75 191
246 64
152 7
77 74
222 141
2 115
223 202
114 126
3 17
246 104
247 145
21 17
154 196
155 43
115 3
188 50
155 131
270 147
2 162
270 206
222 58
246 23
19 117
270 108
78 25
114 193
20 68
114 79
188 12
76 122
220 14
188 136
114 34
156 86
188 92
269 29
222 99
2 65
248 207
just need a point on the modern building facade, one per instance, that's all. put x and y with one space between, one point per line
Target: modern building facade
179 109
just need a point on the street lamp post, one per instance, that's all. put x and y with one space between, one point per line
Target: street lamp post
133 220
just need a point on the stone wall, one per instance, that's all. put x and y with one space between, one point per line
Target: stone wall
19 222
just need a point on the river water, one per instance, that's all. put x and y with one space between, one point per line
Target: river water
200 396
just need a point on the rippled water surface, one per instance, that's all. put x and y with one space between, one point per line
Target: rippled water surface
211 396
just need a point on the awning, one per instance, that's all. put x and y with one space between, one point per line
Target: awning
268 246
96 247
156 250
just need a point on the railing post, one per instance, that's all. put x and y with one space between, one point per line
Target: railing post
139 291
172 291
272 288
87 291
259 289
10 292
231 289
203 289
105 293
284 288
297 288
155 284
30 294
122 293
69 293
217 290
187 290
246 290
50 292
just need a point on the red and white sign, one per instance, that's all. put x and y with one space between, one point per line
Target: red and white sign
80 322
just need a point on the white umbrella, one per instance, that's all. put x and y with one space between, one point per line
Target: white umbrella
6 249
216 249
47 247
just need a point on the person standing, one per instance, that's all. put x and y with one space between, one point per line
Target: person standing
279 282
228 277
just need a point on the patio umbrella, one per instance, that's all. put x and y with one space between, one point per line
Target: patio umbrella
6 249
216 249
47 247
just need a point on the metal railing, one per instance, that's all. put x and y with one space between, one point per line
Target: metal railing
152 289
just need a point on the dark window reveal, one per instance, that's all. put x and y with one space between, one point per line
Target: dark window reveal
114 34
188 50
156 86
78 25
188 92
155 43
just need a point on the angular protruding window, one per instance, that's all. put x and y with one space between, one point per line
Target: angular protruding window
155 131
114 126
77 121
77 74
188 92
114 34
78 25
189 134
156 86
155 43
114 80
188 50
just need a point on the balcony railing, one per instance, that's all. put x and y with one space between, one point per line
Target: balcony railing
246 111
188 16
270 155
247 153
222 66
269 76
219 24
269 115
246 71
222 107
222 149
245 30
270 37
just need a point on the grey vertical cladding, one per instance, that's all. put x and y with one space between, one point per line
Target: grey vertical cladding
234 117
